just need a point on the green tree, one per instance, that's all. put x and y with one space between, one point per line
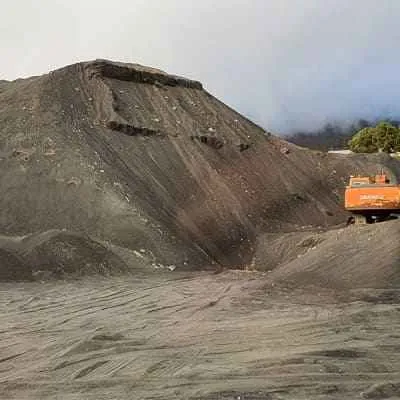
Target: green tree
383 137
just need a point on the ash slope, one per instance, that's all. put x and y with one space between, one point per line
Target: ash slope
59 254
346 258
148 161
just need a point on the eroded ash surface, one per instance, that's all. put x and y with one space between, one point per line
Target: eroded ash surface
174 336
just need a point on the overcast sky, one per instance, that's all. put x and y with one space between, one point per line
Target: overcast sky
288 64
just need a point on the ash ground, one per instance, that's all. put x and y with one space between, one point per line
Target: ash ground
232 335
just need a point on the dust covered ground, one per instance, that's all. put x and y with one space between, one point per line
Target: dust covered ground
172 335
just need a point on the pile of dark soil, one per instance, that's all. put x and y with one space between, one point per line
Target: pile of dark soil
56 254
354 257
152 162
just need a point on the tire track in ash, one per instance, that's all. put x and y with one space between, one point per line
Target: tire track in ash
194 337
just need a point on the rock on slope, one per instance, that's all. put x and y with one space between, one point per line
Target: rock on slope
148 161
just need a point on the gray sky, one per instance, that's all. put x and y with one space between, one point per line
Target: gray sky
288 64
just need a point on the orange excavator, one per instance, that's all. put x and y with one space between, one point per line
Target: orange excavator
372 199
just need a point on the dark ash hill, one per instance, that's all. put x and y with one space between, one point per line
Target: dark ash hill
152 162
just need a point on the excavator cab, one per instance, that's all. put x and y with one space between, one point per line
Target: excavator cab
381 179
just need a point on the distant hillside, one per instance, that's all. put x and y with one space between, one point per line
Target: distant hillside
332 136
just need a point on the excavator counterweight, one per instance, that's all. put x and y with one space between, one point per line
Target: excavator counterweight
372 199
